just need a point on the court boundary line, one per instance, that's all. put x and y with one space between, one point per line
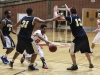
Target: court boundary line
25 69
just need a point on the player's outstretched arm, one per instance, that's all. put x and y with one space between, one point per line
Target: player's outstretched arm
97 30
17 24
67 8
37 19
13 31
56 14
14 28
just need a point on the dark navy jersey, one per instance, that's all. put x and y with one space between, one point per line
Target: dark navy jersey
76 25
26 28
8 27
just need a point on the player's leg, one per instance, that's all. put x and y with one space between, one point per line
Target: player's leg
25 56
22 58
73 57
9 45
42 57
93 45
19 50
31 66
13 59
96 40
86 49
31 50
89 59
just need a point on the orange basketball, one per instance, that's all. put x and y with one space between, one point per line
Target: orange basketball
52 48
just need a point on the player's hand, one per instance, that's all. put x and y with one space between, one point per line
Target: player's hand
67 7
93 31
56 8
56 11
97 30
47 43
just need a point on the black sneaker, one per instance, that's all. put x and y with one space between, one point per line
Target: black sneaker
11 64
73 67
91 66
31 67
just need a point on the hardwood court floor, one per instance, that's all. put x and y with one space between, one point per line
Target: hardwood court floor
57 61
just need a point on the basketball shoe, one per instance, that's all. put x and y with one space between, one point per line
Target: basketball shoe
11 64
31 67
73 67
45 66
91 66
4 60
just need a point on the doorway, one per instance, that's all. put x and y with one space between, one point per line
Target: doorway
89 18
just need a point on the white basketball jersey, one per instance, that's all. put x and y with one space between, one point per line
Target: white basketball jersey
36 38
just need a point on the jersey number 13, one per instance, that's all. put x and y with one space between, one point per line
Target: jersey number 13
78 22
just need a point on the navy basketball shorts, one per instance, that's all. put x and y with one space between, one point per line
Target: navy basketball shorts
26 45
80 44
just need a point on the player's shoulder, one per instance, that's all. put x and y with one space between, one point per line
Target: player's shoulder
3 20
37 31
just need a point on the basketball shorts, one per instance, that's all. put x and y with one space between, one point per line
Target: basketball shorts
9 42
80 44
30 47
40 52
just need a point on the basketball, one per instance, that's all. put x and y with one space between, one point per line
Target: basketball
52 48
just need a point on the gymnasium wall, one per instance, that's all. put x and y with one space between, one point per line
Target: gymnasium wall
41 8
0 13
79 4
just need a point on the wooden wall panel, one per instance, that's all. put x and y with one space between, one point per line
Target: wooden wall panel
40 8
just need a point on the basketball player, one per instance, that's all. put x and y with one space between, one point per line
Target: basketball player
80 42
37 40
24 37
6 27
96 40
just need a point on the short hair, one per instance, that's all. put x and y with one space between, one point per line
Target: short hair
6 12
73 10
42 26
29 11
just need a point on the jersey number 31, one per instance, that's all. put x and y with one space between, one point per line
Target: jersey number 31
24 24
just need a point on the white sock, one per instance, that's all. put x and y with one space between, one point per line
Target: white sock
5 55
31 64
12 60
